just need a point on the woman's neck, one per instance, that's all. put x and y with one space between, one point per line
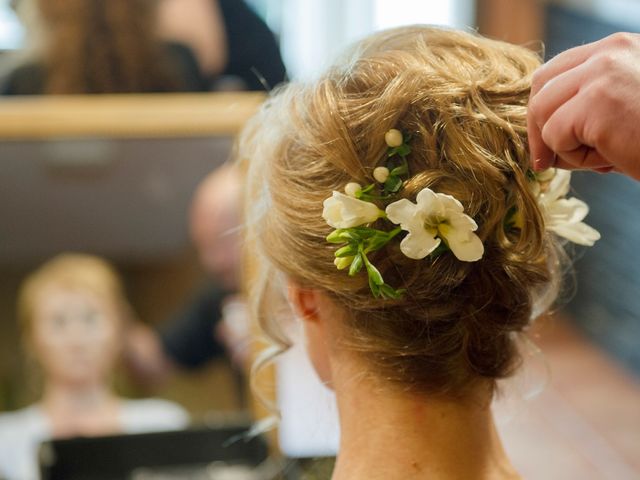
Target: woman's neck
80 409
390 435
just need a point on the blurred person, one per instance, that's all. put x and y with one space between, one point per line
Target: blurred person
234 46
73 315
584 111
214 323
98 46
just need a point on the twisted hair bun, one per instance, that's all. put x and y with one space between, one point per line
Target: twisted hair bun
463 99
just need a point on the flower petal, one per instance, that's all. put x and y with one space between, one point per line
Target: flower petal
418 244
461 221
464 244
558 187
579 233
433 215
450 204
429 203
343 211
565 210
401 212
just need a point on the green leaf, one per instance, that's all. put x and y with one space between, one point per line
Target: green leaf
377 242
356 265
365 232
374 275
393 184
399 171
372 271
391 293
352 235
362 194
375 289
403 150
368 188
346 251
341 235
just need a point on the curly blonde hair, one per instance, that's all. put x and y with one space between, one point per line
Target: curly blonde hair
463 98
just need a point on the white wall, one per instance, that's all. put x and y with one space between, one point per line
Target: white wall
11 32
313 32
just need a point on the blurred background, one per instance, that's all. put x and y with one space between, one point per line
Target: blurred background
116 178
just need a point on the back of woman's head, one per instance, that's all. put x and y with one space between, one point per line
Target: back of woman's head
462 99
103 46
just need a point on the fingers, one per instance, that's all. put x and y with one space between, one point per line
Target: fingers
582 158
562 133
560 130
557 91
563 62
554 84
541 155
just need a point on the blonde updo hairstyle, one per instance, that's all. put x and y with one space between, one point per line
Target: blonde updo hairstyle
463 99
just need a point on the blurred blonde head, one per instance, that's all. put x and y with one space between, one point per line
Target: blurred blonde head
73 312
463 99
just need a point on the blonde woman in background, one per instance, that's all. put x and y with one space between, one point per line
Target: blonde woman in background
393 197
73 315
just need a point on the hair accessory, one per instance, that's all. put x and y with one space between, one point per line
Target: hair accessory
435 223
562 216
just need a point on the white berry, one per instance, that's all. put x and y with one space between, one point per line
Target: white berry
393 138
381 174
352 188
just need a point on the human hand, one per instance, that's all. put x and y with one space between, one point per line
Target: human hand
144 355
584 109
234 331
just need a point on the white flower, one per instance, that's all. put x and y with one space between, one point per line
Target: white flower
433 218
343 211
564 216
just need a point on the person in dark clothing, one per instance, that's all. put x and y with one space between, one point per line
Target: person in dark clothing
93 46
253 53
214 323
230 41
190 338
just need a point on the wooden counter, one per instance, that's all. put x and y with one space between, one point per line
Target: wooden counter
126 116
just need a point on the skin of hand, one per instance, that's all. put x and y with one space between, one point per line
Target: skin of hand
584 108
